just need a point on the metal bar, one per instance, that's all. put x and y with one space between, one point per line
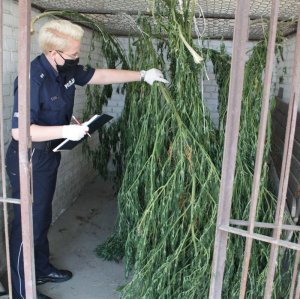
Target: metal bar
297 294
260 144
230 147
4 189
259 237
286 163
10 200
265 225
295 273
24 103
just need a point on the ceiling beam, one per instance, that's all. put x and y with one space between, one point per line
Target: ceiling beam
223 16
109 12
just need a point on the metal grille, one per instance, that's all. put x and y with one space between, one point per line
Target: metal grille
219 24
219 14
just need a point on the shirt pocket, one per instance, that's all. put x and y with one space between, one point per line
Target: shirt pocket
52 111
53 103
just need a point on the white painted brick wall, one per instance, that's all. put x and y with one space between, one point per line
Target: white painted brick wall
284 69
116 104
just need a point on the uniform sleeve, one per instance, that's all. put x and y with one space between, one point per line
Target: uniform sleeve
83 74
34 103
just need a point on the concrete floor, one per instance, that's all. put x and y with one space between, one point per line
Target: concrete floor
73 239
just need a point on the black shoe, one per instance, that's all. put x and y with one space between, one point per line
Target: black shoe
42 296
55 276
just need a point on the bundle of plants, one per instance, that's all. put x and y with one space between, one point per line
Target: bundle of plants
168 195
170 188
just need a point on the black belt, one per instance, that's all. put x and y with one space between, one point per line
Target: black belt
46 146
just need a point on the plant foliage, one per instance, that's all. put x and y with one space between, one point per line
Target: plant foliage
167 153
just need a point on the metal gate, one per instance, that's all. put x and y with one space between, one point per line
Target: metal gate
225 225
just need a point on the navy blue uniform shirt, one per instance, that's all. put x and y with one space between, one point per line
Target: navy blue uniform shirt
51 94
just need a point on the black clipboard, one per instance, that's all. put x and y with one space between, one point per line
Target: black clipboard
94 123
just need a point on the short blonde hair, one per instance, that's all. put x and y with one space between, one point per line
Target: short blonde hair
54 35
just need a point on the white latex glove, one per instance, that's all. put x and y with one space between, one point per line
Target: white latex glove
153 75
74 132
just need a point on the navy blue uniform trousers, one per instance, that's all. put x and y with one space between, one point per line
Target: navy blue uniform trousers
44 172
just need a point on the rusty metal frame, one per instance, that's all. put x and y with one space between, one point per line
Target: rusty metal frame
224 223
229 158
24 141
240 38
4 187
260 142
295 276
286 162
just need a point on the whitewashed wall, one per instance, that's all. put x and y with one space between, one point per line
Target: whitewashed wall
284 69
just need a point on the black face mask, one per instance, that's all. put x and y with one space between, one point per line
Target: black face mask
68 66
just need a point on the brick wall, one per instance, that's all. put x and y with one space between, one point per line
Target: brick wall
284 69
115 104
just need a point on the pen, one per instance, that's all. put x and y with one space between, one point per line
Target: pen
79 123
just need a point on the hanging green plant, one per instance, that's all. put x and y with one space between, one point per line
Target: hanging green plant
169 191
168 156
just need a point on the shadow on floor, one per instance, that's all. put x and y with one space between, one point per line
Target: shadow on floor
73 239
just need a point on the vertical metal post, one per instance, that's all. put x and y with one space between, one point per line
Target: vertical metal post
260 142
297 293
4 189
286 164
237 71
24 108
295 273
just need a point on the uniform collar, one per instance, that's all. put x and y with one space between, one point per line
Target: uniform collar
48 67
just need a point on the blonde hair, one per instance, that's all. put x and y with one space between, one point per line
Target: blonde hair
54 35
